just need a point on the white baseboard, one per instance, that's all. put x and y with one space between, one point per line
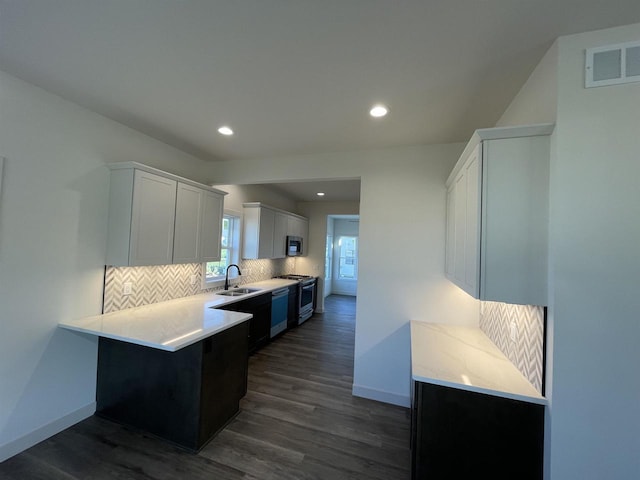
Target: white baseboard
381 396
20 444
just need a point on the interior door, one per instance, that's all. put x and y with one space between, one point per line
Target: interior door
345 263
328 266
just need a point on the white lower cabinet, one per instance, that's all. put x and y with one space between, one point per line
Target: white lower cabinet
497 216
156 218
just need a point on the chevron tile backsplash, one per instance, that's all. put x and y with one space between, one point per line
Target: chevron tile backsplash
526 353
166 282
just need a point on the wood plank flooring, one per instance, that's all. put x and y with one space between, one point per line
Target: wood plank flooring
297 421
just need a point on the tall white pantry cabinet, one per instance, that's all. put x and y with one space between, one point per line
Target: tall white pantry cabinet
156 218
497 215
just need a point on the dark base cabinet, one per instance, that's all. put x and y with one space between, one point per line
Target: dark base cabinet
185 396
260 325
460 434
292 307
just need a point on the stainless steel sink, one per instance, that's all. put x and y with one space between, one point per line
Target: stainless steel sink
237 292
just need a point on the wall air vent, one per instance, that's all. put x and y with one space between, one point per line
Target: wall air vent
612 65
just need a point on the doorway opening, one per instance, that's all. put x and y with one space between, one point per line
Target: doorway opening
341 252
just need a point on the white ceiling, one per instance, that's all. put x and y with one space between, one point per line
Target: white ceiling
334 190
291 76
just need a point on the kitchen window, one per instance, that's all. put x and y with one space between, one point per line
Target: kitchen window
229 252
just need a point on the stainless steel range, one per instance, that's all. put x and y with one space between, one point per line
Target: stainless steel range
306 295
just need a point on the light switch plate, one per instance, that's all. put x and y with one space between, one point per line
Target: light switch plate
127 288
513 334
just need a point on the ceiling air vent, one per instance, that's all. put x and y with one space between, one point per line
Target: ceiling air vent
612 65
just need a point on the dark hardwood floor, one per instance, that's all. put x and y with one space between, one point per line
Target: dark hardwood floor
297 421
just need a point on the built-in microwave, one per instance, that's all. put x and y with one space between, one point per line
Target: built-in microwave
294 246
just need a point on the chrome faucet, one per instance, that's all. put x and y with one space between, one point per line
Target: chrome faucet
226 277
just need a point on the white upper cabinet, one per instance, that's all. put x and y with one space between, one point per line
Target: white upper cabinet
280 230
210 237
156 218
299 227
198 225
251 232
465 204
188 229
497 215
265 230
257 231
450 256
152 219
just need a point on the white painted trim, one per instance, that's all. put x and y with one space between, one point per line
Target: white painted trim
20 444
264 205
495 134
381 396
162 173
237 249
589 82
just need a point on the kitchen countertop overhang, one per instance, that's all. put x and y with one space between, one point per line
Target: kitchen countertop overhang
173 324
465 358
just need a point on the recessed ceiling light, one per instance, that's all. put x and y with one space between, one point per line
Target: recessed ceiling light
225 130
378 111
320 194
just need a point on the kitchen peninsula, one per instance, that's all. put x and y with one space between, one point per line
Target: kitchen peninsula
176 369
473 413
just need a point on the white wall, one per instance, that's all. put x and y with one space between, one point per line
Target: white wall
342 226
592 379
239 194
53 216
402 197
595 234
537 100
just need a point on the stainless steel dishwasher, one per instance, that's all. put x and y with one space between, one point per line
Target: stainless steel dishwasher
279 304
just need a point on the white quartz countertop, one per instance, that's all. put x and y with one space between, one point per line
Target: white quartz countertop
465 358
173 324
